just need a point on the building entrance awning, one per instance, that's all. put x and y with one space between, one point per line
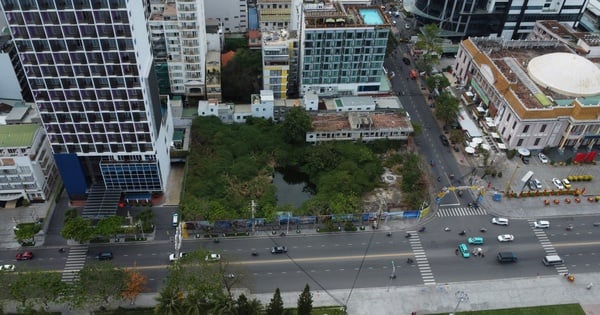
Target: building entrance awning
467 124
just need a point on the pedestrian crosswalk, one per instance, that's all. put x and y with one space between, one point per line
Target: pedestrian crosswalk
548 247
421 258
75 262
460 212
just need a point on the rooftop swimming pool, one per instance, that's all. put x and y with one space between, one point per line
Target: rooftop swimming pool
371 16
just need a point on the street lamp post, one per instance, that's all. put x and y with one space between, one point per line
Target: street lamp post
462 296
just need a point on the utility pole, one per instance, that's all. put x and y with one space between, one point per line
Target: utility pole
512 177
287 231
177 240
253 207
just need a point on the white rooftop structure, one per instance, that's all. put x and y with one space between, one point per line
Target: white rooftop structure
565 73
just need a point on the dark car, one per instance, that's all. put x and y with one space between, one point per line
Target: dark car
104 256
444 140
406 61
24 256
525 160
279 250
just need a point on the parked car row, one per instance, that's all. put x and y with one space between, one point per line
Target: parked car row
536 184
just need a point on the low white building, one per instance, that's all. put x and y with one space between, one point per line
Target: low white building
261 106
359 126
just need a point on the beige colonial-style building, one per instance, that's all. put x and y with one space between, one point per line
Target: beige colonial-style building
534 93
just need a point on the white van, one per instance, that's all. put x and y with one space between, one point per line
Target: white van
552 260
175 221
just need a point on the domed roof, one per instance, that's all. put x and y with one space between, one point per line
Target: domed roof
565 73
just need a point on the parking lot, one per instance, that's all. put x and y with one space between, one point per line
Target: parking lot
514 170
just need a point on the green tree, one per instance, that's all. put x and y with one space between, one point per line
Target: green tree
78 229
98 284
446 107
25 232
194 286
438 81
275 307
245 307
36 288
145 219
241 76
430 42
295 126
169 301
305 302
109 226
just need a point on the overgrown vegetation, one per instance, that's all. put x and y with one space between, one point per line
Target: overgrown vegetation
241 76
230 165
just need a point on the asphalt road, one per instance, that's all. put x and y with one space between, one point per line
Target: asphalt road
345 260
429 144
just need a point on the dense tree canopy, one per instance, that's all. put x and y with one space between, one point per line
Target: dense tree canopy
446 107
241 76
230 165
295 126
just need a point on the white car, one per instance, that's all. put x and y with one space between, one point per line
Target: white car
541 224
213 257
558 183
543 158
7 267
500 221
506 238
173 258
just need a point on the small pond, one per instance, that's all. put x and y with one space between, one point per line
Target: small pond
292 186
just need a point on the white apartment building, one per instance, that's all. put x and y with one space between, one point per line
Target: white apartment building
232 14
27 168
342 49
278 55
90 67
178 34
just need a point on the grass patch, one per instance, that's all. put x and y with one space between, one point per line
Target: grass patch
564 309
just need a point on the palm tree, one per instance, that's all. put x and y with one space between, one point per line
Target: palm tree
169 302
431 43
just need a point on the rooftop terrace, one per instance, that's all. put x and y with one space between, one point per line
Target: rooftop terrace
12 136
507 55
337 121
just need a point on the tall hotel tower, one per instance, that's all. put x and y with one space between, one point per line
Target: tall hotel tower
89 66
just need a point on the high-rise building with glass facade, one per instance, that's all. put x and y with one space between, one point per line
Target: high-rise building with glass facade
342 49
90 68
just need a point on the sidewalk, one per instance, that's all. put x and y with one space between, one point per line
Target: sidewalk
442 298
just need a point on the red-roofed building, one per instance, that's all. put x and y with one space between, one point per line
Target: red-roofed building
254 39
226 57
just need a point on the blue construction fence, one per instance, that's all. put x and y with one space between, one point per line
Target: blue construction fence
283 219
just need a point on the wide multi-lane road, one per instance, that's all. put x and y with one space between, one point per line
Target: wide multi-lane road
365 259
